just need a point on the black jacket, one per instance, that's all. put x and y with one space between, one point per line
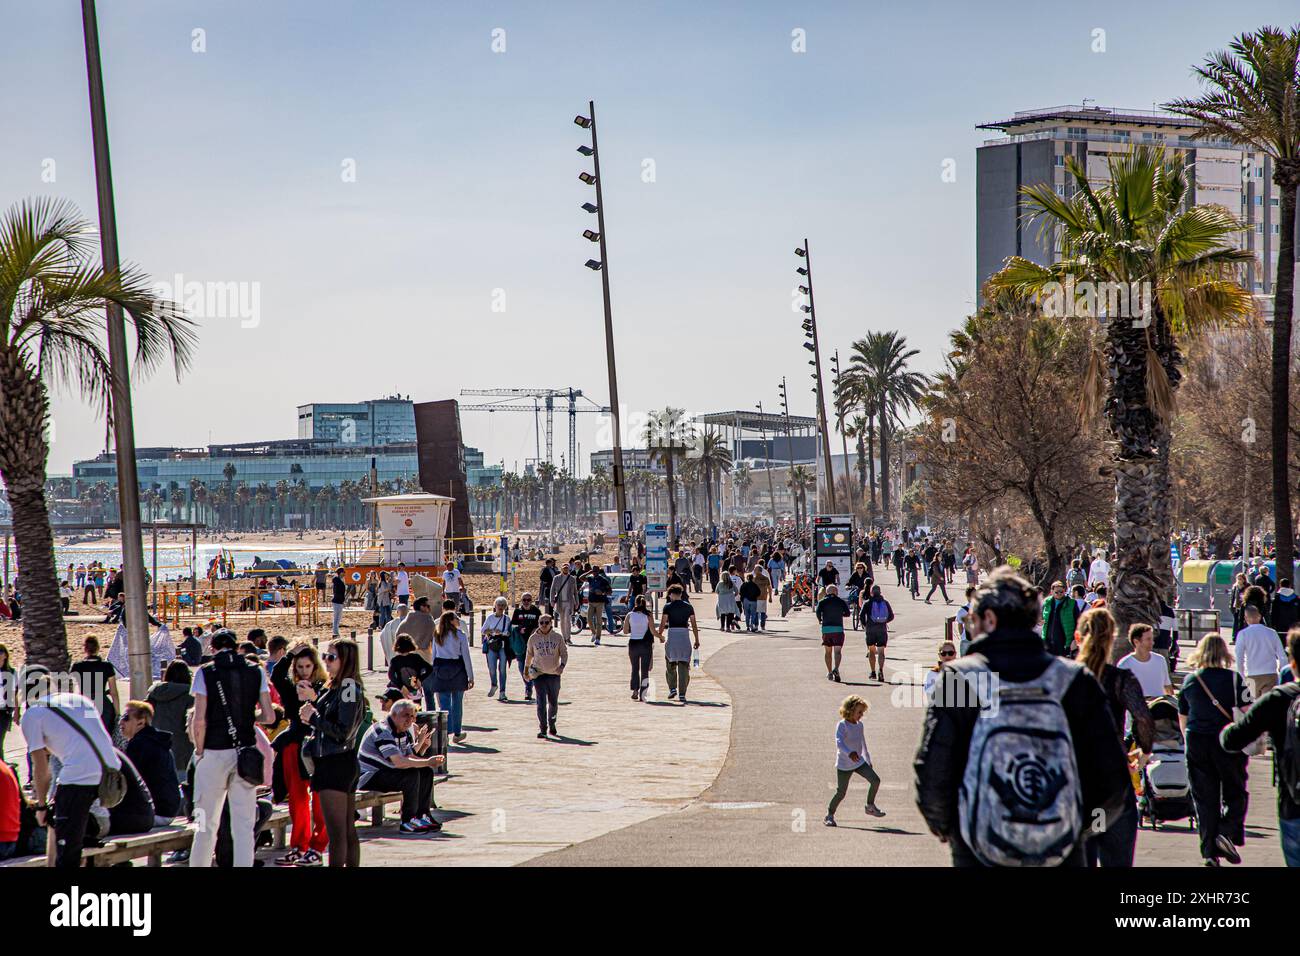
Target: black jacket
1017 654
1268 715
151 752
337 719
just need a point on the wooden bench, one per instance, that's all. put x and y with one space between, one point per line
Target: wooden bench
155 843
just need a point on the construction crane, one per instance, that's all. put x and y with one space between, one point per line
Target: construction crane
542 398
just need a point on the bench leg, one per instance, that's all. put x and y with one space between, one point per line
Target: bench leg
155 859
278 838
377 815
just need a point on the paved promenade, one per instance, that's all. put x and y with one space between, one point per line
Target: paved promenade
739 776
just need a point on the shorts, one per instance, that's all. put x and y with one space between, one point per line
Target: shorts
877 634
833 638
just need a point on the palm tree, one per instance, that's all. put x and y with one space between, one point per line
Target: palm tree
743 478
888 389
665 436
714 458
861 428
1136 231
52 294
799 481
1254 100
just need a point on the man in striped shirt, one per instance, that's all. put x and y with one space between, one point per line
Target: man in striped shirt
394 757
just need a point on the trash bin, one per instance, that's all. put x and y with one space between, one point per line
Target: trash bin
436 721
1194 624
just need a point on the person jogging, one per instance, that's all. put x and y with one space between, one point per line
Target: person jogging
851 758
831 612
876 615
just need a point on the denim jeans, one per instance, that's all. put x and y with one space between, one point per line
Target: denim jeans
385 614
453 702
498 667
528 685
751 614
1114 846
1290 840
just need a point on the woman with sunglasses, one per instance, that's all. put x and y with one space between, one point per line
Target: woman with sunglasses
947 654
297 682
335 717
453 671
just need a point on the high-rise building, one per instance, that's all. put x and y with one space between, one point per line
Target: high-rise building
1034 149
382 421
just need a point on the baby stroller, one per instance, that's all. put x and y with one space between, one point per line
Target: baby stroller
1166 792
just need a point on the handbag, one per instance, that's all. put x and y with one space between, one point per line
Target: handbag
112 782
248 760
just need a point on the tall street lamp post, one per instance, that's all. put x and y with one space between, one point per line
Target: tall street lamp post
812 345
128 489
767 452
602 266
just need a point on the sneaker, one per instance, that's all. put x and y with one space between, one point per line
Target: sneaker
636 695
682 698
871 676
430 823
672 695
836 672
311 858
1225 847
493 691
412 826
502 696
874 811
528 697
459 737
290 859
554 732
829 821
541 735
178 856
595 642
1210 861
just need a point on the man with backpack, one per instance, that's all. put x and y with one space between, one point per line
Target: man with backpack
230 694
1277 713
1019 755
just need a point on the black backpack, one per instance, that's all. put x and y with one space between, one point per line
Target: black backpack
1288 767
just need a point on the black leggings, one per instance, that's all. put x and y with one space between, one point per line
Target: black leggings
340 808
642 654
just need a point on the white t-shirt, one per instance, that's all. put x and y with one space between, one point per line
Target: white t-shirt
1099 571
46 730
1152 674
963 612
200 684
638 626
451 581
403 583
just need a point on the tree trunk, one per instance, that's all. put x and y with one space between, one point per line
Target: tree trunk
1288 178
884 464
24 411
1136 584
871 464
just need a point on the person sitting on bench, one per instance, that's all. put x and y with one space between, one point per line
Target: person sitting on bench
393 757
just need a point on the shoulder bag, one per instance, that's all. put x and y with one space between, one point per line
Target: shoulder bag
248 760
112 783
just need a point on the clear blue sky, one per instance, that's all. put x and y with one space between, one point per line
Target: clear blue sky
227 168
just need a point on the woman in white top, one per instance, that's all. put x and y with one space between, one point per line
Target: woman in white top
453 671
641 633
496 645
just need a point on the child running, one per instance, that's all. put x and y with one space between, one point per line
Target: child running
851 757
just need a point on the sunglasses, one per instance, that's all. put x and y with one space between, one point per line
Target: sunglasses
329 657
947 653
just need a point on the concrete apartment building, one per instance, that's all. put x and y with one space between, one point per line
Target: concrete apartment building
1034 148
